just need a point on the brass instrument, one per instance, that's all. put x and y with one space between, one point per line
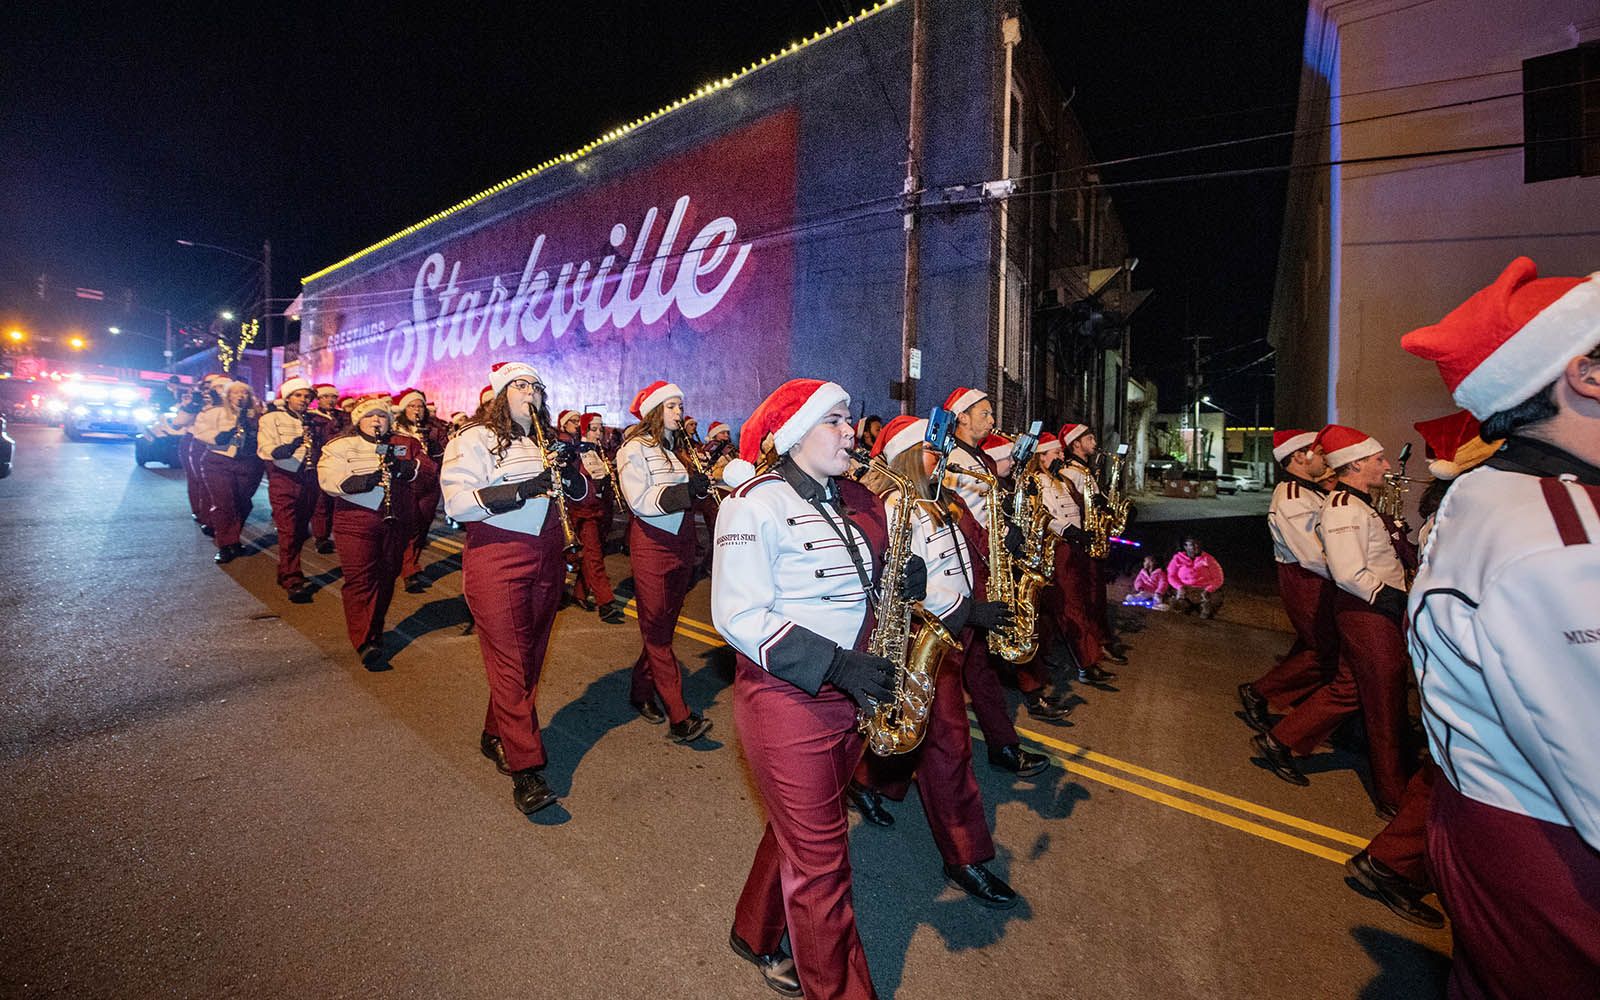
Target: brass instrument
898 726
1014 584
1390 498
1105 513
698 463
558 491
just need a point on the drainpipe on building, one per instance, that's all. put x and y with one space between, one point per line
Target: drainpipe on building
1011 32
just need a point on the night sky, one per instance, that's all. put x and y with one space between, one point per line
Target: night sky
324 130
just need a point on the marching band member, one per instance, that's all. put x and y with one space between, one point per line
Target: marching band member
338 420
660 491
1368 559
368 470
974 422
567 422
1506 645
1065 599
1078 446
191 453
514 565
290 442
412 419
592 519
1303 583
1030 683
797 552
232 470
942 764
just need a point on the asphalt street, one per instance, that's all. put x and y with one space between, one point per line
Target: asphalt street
207 796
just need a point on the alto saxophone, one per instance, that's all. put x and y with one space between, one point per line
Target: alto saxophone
1016 585
898 725
1105 514
558 491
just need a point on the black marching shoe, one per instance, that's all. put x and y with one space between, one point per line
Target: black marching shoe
869 803
777 968
981 884
1094 675
208 531
1255 708
1018 761
325 546
1115 654
611 613
492 749
371 654
228 553
650 712
1375 880
690 729
416 584
1047 709
1278 759
587 603
300 593
529 793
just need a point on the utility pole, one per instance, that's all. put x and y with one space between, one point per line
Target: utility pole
910 357
168 351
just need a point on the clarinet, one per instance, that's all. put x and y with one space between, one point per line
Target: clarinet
386 479
558 491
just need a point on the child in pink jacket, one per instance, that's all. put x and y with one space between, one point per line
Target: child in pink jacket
1150 588
1196 580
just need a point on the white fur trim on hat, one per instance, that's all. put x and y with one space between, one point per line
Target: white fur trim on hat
503 375
1441 468
663 392
1354 452
1294 444
1072 432
406 397
905 438
738 472
1046 447
291 385
371 405
717 427
822 399
964 399
1535 355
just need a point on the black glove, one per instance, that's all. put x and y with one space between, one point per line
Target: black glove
287 449
1391 602
226 437
404 469
991 615
1016 541
862 676
675 497
1076 536
364 482
699 486
538 486
1054 468
914 585
500 499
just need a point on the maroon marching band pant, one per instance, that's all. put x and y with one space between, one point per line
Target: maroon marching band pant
189 452
293 497
942 766
322 518
369 550
663 565
1402 845
513 583
1371 679
1523 897
428 495
592 579
231 483
978 675
1314 657
801 751
1070 603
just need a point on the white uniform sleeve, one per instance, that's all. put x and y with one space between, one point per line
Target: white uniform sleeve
1064 511
339 461
1540 648
743 589
639 484
945 592
1294 527
278 429
209 424
468 467
1344 540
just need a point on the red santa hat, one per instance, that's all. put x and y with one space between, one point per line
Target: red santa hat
403 398
1453 444
652 396
370 405
1047 443
587 421
1512 339
506 372
787 414
963 399
1343 445
292 385
998 447
325 388
561 418
718 427
1287 442
485 394
1072 432
899 435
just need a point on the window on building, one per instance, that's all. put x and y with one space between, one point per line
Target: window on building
1561 114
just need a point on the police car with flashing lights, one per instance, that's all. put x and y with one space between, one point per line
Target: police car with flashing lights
113 408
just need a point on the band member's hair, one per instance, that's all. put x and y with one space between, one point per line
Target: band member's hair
1536 409
402 422
252 410
653 428
496 416
908 464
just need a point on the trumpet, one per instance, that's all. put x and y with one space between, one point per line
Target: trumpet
558 492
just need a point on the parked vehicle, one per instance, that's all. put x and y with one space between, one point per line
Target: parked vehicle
8 448
103 408
1231 483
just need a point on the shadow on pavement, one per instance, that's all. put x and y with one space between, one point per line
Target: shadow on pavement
1405 968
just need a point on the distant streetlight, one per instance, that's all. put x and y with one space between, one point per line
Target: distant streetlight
113 330
77 343
226 314
17 336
